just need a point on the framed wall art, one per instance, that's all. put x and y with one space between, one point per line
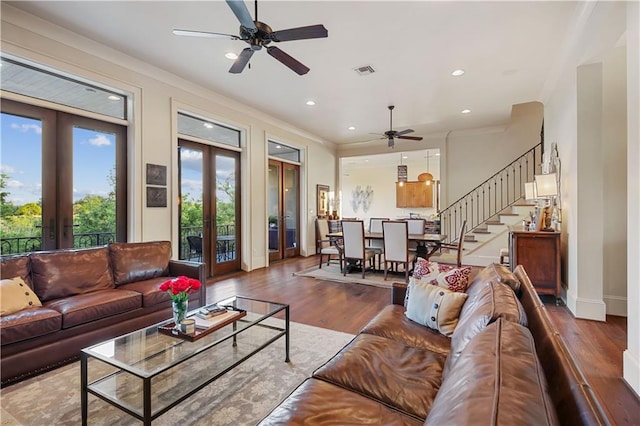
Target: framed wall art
322 193
156 196
156 174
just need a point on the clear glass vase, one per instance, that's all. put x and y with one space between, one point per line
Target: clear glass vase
180 307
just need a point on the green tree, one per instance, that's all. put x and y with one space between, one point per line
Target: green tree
94 213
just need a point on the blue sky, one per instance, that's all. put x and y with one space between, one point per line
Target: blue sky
21 160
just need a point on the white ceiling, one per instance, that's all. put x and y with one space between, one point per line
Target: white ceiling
508 50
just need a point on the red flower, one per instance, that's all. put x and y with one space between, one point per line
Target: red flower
180 287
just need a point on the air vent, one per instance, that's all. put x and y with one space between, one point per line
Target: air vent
365 70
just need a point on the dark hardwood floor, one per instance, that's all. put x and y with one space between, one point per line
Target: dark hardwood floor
596 346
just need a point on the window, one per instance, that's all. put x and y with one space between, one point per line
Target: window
283 152
203 129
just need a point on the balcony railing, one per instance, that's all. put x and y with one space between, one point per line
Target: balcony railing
34 243
225 244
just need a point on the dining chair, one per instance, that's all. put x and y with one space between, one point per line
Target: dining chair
375 226
415 226
327 246
449 257
195 247
396 246
354 249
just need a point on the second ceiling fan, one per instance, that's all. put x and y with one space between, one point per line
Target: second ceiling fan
391 134
258 35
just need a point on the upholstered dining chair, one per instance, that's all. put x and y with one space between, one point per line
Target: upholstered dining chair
326 246
396 246
415 226
454 254
354 250
375 227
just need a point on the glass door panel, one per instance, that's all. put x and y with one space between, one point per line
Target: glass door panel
21 227
191 203
94 188
273 210
291 202
226 215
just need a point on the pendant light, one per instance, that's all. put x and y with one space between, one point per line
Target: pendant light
426 177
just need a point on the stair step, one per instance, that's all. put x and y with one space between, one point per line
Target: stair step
494 222
509 214
470 239
481 231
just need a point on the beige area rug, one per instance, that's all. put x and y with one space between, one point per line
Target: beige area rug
332 273
241 397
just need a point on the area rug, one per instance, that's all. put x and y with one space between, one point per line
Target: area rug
332 273
241 397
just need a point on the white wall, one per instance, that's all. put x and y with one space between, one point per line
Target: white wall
157 95
382 179
585 117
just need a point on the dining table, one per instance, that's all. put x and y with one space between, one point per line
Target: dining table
426 244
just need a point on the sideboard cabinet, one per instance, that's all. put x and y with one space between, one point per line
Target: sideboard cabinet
539 253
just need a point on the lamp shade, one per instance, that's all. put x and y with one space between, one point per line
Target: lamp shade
546 185
530 191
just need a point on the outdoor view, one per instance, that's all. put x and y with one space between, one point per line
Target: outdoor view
21 185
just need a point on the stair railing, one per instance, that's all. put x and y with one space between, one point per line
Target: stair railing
493 195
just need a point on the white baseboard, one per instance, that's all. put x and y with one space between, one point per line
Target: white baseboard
592 309
616 305
631 371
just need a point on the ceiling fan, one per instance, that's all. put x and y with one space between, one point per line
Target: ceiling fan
391 134
258 35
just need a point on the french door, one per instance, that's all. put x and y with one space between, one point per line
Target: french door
283 209
210 206
63 180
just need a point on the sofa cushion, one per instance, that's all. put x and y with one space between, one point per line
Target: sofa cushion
151 295
436 307
63 273
486 303
28 324
15 296
497 380
139 261
392 323
93 306
403 377
495 272
316 402
16 266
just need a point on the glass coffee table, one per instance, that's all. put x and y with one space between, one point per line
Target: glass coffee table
146 373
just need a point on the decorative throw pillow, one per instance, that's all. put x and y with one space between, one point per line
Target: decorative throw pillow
435 307
424 267
456 279
15 296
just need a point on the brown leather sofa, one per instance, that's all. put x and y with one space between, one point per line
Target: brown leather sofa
87 295
505 364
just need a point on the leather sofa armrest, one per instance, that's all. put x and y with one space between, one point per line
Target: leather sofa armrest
398 292
191 270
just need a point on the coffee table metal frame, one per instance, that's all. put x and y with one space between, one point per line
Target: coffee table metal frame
147 415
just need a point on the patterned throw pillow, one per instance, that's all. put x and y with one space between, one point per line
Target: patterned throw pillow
456 279
424 267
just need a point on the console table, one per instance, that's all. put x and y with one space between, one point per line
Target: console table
539 253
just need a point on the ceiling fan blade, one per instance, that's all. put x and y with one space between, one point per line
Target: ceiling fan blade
207 34
287 60
413 138
242 61
242 13
301 33
404 132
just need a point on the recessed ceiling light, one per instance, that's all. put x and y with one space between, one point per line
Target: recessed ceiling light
404 157
465 111
351 128
208 125
457 73
114 98
438 154
311 103
278 146
231 55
